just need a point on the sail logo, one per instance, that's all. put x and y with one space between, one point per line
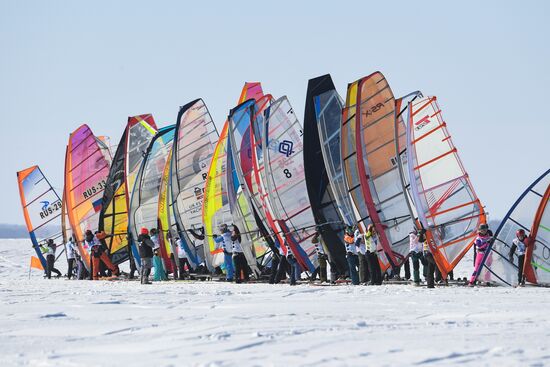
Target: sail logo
285 147
422 122
374 109
89 192
49 209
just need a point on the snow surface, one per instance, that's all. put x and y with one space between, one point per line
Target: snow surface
83 323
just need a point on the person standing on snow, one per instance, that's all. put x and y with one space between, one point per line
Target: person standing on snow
359 239
239 260
351 255
173 248
183 260
160 272
294 266
519 247
482 244
224 240
371 243
71 257
98 252
322 256
416 240
49 250
146 253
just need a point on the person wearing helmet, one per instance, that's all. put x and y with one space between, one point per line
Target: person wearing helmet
224 241
146 253
351 255
519 247
481 245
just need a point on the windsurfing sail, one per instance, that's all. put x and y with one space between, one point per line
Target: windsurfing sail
41 208
167 250
247 203
537 258
318 166
196 138
496 266
378 167
215 208
351 170
87 165
241 211
446 203
113 218
286 181
328 111
144 202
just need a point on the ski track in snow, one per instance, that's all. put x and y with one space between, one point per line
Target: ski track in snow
119 323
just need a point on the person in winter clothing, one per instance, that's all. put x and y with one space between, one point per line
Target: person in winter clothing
146 253
431 266
359 239
519 247
482 244
371 243
71 257
275 260
322 256
182 260
239 260
416 247
99 254
284 267
351 255
160 272
294 266
224 240
174 250
49 250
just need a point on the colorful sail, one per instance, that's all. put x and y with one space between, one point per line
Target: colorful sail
286 181
445 200
328 111
381 184
144 202
249 207
241 211
323 198
497 267
163 214
113 219
260 179
215 209
537 258
86 169
196 138
42 208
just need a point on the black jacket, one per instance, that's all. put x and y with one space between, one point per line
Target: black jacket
145 245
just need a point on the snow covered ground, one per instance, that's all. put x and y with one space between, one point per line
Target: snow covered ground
83 323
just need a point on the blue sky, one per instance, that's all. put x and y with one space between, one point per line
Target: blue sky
65 63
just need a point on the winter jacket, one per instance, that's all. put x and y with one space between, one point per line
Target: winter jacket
145 246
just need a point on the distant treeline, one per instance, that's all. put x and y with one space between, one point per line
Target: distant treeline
19 231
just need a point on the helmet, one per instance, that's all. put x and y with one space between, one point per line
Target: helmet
483 228
144 231
520 232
